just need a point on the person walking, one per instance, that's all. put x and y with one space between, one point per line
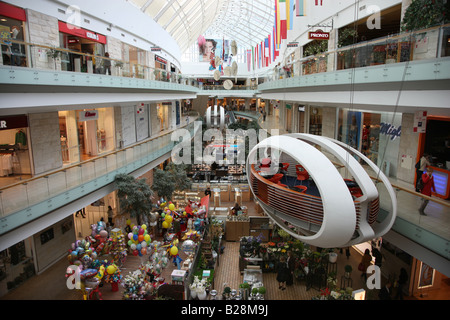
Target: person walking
385 292
291 266
110 216
365 263
428 186
423 163
283 273
402 279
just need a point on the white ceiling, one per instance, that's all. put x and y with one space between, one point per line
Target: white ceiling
248 22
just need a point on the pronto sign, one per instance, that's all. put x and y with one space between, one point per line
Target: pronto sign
318 35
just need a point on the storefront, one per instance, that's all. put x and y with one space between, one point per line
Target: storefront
14 147
12 26
86 133
137 59
82 41
435 142
376 135
160 68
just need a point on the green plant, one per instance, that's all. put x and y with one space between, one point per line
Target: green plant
173 178
226 290
348 268
254 291
118 64
135 195
262 290
315 47
244 285
422 14
347 36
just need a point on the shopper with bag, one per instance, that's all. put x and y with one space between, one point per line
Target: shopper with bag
366 260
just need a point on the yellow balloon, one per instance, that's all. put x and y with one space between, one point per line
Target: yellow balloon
165 224
111 269
144 226
171 207
174 251
128 222
168 218
147 238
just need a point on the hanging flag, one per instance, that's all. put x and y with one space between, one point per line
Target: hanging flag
291 14
274 40
300 8
277 24
253 58
249 59
266 51
319 1
288 14
270 51
283 22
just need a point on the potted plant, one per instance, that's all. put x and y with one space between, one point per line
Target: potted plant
262 291
332 257
226 293
348 270
244 289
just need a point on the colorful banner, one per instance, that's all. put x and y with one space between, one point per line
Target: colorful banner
300 8
283 22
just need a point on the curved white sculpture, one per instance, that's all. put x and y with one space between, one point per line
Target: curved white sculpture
335 218
215 117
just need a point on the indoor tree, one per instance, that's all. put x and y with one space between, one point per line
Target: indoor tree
135 196
173 178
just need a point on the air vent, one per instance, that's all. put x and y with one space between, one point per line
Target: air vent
87 21
62 11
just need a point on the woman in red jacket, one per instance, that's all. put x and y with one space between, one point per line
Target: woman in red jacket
428 186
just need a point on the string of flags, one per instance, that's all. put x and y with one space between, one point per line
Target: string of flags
264 53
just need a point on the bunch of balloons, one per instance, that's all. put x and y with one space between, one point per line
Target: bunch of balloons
168 215
138 240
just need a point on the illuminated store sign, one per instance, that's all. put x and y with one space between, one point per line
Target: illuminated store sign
318 35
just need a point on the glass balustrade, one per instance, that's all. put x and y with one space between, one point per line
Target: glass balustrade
30 192
426 44
51 58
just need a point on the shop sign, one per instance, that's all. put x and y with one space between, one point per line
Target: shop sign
420 121
155 49
88 115
80 32
92 36
161 60
292 45
13 122
390 130
318 35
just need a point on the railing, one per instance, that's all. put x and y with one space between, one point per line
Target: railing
44 57
221 87
26 193
410 46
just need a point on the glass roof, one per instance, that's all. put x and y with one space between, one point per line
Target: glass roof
248 22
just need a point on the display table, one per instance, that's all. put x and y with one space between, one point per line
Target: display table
252 276
178 276
236 229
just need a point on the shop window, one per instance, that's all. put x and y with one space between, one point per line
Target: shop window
11 33
315 121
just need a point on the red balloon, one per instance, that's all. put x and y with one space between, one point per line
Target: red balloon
141 231
135 252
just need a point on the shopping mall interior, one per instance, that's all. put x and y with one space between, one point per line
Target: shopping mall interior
259 150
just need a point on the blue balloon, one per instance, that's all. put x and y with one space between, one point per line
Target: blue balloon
135 237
